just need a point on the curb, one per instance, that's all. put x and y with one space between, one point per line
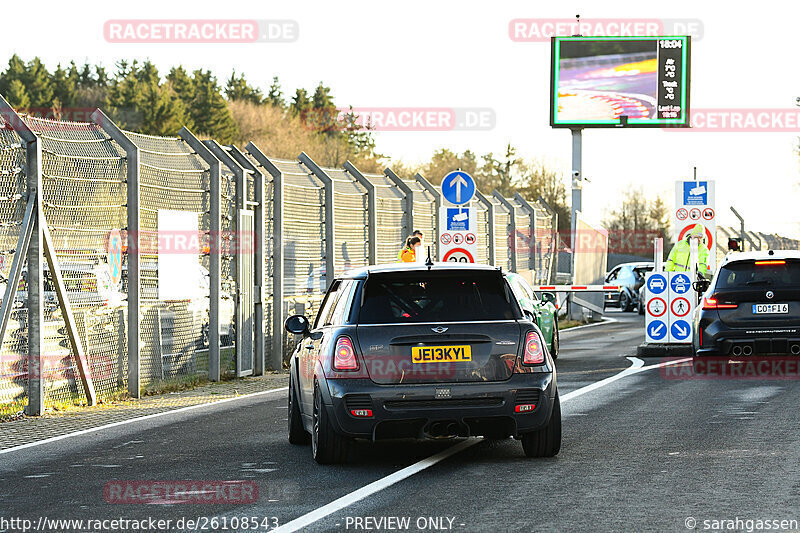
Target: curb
664 350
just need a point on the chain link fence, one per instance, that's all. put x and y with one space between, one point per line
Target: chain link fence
329 220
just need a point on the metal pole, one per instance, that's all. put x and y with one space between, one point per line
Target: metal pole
330 233
258 193
134 271
512 246
275 360
577 180
372 211
215 251
408 216
490 215
437 200
741 227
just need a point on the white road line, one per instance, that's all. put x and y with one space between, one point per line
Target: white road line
385 482
603 322
137 419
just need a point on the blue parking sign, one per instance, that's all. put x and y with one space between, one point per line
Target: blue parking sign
656 283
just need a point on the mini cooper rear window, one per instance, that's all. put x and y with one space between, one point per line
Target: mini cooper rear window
755 274
429 296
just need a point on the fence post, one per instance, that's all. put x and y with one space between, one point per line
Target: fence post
134 272
409 194
512 216
553 240
372 210
275 360
490 215
330 234
215 250
35 219
258 230
532 225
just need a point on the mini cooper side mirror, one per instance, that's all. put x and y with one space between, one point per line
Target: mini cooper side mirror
297 324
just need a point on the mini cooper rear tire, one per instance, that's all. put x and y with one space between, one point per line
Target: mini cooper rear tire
327 446
545 442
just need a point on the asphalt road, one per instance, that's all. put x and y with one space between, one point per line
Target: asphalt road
640 453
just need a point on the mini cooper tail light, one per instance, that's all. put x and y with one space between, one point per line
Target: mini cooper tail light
345 356
534 355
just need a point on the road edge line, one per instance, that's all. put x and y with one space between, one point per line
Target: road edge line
137 419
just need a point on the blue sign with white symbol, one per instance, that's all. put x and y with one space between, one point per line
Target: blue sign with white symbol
457 219
458 187
695 193
680 283
680 329
656 284
657 330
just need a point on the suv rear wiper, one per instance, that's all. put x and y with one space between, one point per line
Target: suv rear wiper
759 282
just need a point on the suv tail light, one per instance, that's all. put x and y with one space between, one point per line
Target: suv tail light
712 303
344 357
534 355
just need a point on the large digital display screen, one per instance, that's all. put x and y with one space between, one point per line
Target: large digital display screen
620 81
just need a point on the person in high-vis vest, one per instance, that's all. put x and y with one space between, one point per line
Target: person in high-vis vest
409 252
679 259
417 233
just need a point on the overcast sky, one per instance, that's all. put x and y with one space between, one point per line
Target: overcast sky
458 54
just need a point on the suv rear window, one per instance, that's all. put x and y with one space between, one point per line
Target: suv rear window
769 273
430 296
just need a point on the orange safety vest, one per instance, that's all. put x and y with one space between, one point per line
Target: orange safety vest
408 255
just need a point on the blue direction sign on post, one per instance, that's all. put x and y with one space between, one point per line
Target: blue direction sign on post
657 330
680 283
680 330
458 187
657 283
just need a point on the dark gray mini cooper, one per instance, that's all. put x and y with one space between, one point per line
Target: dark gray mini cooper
421 351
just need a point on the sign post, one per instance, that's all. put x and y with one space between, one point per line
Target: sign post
695 204
656 318
458 240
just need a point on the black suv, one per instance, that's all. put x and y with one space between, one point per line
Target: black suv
751 306
416 351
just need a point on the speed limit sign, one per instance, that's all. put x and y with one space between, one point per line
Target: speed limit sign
459 255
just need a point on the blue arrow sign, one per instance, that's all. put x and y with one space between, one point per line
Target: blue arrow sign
657 330
681 329
656 283
458 187
680 283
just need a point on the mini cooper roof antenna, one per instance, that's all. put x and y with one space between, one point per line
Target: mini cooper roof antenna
429 261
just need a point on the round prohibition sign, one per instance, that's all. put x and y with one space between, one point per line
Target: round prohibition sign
470 238
708 213
459 255
682 213
694 214
656 306
680 307
458 238
445 238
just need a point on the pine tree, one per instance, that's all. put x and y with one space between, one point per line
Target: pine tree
64 88
162 112
238 89
17 96
275 94
16 71
182 85
209 110
37 83
300 103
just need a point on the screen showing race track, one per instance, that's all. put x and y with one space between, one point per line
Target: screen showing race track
620 81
